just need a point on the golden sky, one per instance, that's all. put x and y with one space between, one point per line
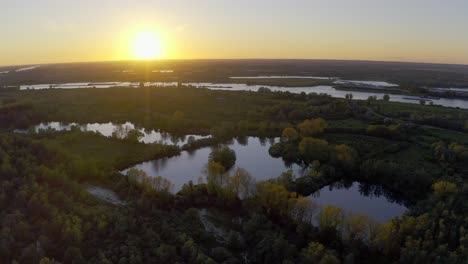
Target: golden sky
47 31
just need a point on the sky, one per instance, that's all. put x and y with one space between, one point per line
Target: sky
50 31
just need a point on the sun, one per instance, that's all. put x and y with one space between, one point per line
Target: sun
147 46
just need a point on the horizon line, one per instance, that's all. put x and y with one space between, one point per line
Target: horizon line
236 59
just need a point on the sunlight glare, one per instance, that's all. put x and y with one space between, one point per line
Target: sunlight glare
147 46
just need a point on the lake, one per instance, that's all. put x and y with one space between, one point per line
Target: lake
251 152
321 89
252 155
121 130
359 198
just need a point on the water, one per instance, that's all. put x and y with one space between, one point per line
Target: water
27 68
322 89
360 198
284 77
99 85
326 89
376 84
121 130
252 155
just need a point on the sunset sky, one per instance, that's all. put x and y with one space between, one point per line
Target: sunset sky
47 31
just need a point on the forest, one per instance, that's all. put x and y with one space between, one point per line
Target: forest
415 154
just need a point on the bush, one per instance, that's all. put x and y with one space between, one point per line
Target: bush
382 131
314 149
224 155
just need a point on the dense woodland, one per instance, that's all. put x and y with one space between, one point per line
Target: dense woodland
414 154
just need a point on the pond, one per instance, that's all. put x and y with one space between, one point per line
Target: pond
321 89
119 130
360 198
251 152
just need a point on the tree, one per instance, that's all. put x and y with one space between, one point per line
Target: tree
48 261
158 183
422 102
134 135
120 131
73 255
382 131
386 97
289 134
355 226
273 198
330 218
312 149
443 189
315 253
166 253
345 154
303 210
223 155
216 174
264 90
242 183
311 127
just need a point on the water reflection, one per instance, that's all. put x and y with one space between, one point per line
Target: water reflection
119 131
372 200
321 89
252 155
329 90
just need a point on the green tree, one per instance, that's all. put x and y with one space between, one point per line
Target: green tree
311 127
289 134
242 183
216 174
443 189
312 149
134 135
330 217
316 253
273 198
345 155
223 155
386 97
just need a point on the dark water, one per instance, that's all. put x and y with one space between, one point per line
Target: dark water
252 155
360 198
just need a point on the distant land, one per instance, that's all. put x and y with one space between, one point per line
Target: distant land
402 73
